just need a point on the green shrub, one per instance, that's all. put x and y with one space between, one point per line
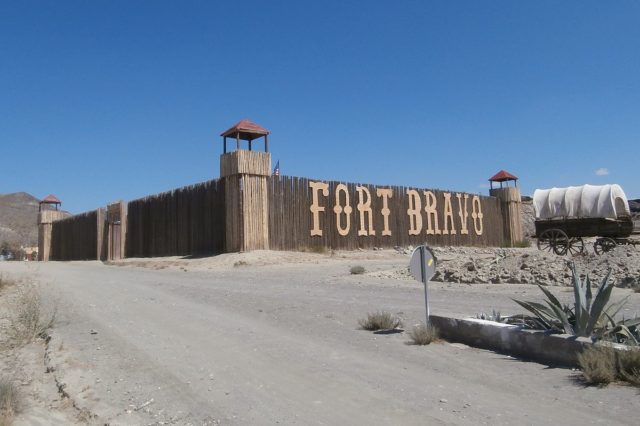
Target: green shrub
357 270
423 334
588 316
380 321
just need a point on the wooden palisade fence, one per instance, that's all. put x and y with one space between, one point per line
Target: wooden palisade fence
185 221
75 237
248 209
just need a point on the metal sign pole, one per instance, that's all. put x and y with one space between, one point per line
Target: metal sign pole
422 267
425 280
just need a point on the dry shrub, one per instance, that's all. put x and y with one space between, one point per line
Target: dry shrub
357 270
598 365
423 334
380 321
318 249
5 282
629 366
31 320
9 401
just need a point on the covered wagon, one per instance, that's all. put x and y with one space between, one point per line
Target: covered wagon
564 216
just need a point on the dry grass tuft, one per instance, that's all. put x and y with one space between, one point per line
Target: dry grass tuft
629 366
9 401
598 365
5 282
380 321
357 270
31 320
423 334
318 249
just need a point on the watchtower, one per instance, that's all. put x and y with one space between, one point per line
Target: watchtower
245 174
511 205
48 212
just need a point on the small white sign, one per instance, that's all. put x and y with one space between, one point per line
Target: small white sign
422 256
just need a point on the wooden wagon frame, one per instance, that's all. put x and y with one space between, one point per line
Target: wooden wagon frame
565 235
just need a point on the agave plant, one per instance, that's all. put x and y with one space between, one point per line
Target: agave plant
588 316
626 331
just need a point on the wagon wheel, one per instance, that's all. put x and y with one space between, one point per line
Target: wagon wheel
576 246
603 245
553 240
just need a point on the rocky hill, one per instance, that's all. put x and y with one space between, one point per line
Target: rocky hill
18 219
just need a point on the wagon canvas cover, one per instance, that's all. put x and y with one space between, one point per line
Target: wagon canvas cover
594 201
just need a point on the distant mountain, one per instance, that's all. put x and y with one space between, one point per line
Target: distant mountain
19 219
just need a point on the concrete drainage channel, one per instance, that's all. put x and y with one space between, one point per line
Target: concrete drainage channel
539 346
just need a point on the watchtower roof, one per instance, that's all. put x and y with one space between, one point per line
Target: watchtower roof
246 130
51 199
502 176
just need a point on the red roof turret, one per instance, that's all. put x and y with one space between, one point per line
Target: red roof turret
502 176
247 130
51 199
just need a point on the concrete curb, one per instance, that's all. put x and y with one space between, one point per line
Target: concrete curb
540 346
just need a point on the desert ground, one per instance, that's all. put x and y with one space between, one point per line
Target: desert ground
273 338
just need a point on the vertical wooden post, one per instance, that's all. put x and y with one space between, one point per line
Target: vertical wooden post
100 237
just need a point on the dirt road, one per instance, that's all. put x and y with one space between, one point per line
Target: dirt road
207 342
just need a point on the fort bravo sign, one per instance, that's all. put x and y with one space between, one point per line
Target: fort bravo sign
453 220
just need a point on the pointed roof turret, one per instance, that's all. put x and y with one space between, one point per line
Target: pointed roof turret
51 200
503 176
245 130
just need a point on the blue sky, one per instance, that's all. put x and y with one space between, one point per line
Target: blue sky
107 100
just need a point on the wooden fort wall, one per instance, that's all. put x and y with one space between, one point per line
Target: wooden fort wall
306 213
75 237
296 213
184 221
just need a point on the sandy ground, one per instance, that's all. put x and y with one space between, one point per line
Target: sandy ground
272 337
